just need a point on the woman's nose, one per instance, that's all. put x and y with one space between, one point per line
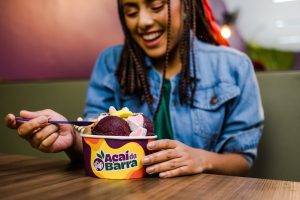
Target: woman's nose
145 19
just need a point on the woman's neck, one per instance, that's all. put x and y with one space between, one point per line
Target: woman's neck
174 64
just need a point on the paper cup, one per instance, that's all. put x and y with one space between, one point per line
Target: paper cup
115 157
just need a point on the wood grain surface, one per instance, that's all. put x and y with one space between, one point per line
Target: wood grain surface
23 177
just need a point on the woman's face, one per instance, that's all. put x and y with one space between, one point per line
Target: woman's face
147 21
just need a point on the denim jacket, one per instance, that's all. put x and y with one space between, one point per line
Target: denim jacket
227 115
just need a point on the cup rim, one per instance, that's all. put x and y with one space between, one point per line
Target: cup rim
117 137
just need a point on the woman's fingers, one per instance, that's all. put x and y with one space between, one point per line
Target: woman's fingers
162 144
34 114
165 151
184 164
166 166
172 158
161 156
39 133
37 139
47 144
10 121
28 129
180 171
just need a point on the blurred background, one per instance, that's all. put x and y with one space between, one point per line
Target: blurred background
59 39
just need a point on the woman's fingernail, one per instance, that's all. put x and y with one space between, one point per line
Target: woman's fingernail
151 145
22 112
150 170
146 160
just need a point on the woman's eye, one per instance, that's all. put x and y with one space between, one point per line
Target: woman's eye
130 12
157 5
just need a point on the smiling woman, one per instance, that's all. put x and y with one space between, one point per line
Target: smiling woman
176 69
54 39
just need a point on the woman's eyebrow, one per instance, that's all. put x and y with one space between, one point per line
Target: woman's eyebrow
129 4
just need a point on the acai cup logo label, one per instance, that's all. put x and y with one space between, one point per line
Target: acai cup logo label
109 162
115 158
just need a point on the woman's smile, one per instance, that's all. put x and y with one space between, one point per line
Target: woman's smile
147 21
152 39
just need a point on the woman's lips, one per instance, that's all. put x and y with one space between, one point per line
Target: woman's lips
152 39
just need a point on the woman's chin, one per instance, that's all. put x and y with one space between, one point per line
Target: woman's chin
156 54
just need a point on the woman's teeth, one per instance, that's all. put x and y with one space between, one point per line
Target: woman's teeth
151 36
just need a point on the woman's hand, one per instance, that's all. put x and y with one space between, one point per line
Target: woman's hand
173 158
41 135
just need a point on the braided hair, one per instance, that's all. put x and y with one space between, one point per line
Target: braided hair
132 72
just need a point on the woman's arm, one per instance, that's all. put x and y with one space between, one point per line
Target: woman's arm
173 158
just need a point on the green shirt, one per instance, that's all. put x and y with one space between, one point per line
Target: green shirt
162 122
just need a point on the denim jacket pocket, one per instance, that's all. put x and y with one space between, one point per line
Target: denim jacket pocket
208 112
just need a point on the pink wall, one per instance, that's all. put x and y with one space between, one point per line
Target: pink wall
54 39
61 39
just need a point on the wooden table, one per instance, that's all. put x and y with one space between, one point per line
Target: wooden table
23 177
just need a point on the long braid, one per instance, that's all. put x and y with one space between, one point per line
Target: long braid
185 64
187 57
166 59
184 80
194 26
141 74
